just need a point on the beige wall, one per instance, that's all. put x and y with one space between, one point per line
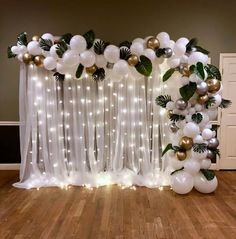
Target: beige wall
213 22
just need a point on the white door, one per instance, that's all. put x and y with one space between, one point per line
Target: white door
228 116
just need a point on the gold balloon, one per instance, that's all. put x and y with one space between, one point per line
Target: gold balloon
91 69
35 38
38 61
186 143
213 85
169 113
181 155
133 60
202 99
153 43
27 58
185 71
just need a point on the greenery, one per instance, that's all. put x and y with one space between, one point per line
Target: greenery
209 174
211 101
22 39
99 46
213 71
89 37
168 74
66 37
99 74
202 50
170 147
188 91
225 103
177 170
59 76
79 71
197 118
61 48
192 45
45 44
125 53
162 100
125 43
10 54
144 66
199 148
176 117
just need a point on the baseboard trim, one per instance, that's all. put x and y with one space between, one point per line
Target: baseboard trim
10 166
9 123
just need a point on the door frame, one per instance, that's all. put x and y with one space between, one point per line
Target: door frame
222 57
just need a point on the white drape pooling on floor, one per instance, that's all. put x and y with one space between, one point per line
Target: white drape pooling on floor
82 132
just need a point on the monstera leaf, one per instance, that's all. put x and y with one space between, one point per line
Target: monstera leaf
144 66
188 91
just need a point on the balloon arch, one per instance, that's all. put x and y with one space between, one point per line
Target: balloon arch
140 113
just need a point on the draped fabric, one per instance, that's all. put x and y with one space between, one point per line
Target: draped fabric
82 132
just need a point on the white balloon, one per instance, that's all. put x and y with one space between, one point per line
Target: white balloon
20 57
170 105
33 48
175 163
180 123
184 59
188 118
173 61
164 39
70 58
137 48
198 139
112 53
205 163
87 58
171 44
191 130
191 166
149 53
53 51
78 43
45 53
183 40
202 185
121 67
197 57
62 69
181 182
198 107
184 80
217 102
22 49
139 40
207 134
193 78
196 155
191 110
48 36
49 63
179 49
15 49
101 61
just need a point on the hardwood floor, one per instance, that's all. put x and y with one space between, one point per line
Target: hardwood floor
111 212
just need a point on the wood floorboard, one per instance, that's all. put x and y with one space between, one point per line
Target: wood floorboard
114 213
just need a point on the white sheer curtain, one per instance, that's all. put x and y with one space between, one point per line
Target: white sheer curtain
83 132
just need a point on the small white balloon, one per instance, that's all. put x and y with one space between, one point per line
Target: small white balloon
191 130
112 53
121 67
205 163
184 80
61 68
53 51
202 185
217 102
87 58
101 61
34 48
198 139
137 48
173 61
198 107
196 155
164 39
70 58
45 53
48 36
22 49
78 43
20 57
171 44
175 163
196 57
49 63
181 182
207 134
184 59
15 49
183 40
191 166
170 105
149 53
139 40
212 113
179 49
191 110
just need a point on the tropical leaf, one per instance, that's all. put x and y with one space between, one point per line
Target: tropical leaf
59 77
211 101
188 91
197 118
99 74
192 43
209 174
176 117
162 100
89 37
99 46
225 103
168 74
125 53
160 52
61 48
144 66
213 71
199 70
125 43
10 54
79 71
45 44
202 50
177 170
66 37
22 39
167 148
199 148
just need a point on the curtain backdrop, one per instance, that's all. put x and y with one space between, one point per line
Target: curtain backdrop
83 132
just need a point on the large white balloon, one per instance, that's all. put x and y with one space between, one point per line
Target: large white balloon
191 129
121 67
101 61
182 182
197 57
50 63
70 58
34 48
137 48
217 102
183 40
202 185
62 69
164 39
179 49
53 51
206 163
173 61
191 166
198 139
87 58
112 53
48 36
139 40
22 49
78 43
207 134
15 49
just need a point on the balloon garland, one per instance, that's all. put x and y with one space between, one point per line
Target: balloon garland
189 114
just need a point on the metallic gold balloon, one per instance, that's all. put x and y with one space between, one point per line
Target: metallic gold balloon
38 61
91 69
181 155
35 38
213 85
186 143
169 113
153 43
183 69
173 127
133 60
202 99
27 58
